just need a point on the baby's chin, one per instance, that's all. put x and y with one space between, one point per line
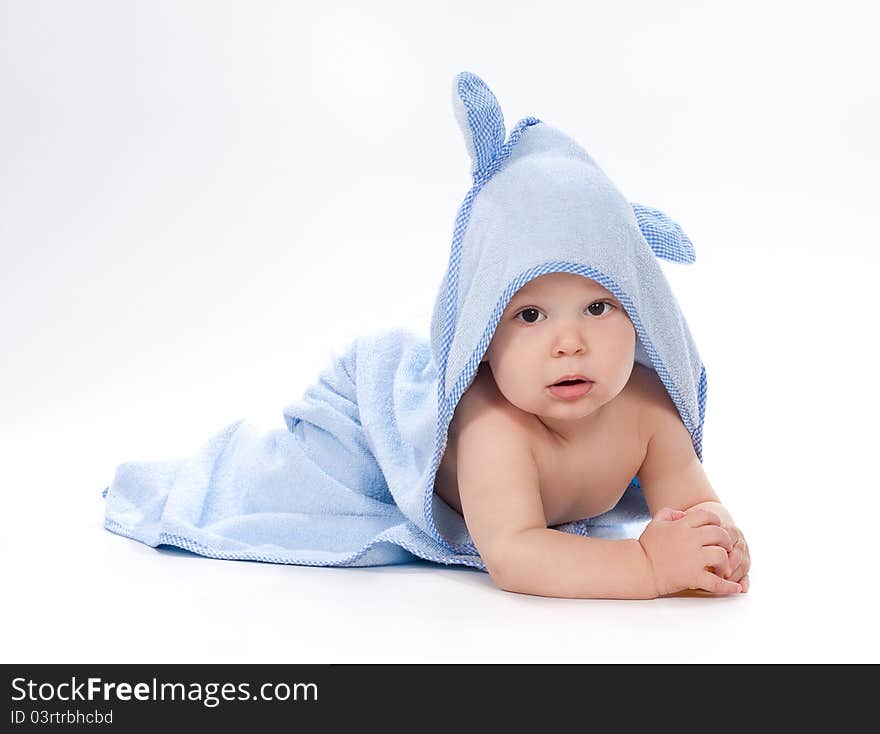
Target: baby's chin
569 413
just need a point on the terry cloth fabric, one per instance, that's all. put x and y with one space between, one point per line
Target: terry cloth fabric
349 480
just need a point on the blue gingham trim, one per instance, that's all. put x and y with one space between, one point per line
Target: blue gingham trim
388 536
665 237
484 118
701 401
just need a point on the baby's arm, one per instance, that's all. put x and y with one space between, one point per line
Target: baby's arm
673 476
501 503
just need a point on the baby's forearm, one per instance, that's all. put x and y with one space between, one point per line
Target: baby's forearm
548 562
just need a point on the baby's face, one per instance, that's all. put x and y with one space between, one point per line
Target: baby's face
555 325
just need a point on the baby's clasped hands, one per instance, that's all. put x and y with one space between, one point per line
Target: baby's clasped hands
683 546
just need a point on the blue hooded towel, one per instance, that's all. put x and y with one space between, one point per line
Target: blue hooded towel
349 481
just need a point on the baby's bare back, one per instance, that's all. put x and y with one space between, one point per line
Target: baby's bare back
579 477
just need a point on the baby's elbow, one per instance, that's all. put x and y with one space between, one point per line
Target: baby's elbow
494 564
494 569
509 580
501 565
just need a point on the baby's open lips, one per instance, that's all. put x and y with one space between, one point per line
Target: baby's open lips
571 380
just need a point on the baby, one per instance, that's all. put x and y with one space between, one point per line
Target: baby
555 424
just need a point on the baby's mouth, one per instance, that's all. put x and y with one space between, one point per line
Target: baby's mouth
571 389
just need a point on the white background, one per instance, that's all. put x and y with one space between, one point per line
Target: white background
201 203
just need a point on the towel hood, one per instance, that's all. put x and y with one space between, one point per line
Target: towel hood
539 203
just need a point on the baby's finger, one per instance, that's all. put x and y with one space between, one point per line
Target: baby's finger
735 574
702 516
740 559
747 557
744 582
715 535
717 585
736 559
715 559
742 569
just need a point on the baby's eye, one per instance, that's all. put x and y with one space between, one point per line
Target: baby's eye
600 303
531 314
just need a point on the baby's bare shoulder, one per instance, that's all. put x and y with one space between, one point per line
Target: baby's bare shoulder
485 425
497 477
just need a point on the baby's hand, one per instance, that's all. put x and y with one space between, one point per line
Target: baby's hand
740 559
688 551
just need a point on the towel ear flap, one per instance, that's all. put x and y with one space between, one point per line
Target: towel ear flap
665 237
479 117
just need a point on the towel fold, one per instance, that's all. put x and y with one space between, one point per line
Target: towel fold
349 480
